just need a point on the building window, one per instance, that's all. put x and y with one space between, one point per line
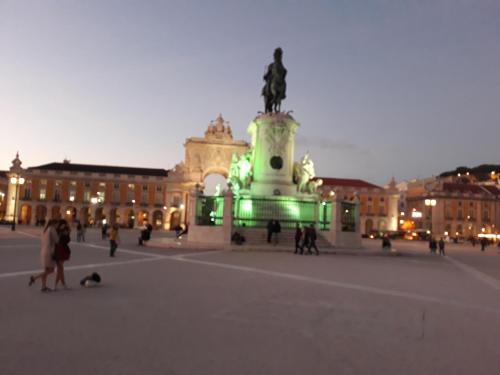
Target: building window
116 186
159 188
43 193
176 200
447 210
72 194
86 196
130 192
57 191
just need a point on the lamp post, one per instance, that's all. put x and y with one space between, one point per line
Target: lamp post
430 203
16 180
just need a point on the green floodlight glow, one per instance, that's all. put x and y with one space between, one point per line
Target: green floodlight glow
293 209
247 207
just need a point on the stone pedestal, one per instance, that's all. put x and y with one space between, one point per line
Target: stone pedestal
273 139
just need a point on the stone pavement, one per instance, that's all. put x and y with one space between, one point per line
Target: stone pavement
197 311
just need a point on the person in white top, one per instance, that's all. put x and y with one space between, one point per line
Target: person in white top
49 240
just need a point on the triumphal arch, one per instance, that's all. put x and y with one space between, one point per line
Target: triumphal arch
211 154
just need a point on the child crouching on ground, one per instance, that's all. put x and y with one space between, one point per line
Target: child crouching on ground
90 280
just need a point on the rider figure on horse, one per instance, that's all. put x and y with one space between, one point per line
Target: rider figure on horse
275 87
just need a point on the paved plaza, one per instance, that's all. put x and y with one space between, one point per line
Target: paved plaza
210 311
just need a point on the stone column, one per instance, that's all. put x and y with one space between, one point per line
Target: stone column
227 217
273 140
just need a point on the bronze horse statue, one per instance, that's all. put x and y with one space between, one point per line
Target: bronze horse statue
274 91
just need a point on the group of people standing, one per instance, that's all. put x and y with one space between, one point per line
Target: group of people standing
54 252
434 245
305 238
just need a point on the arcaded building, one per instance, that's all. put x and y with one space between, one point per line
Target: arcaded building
90 194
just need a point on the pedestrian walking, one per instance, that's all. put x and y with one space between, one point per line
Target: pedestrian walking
484 243
276 231
298 238
312 240
104 230
270 230
79 232
62 252
47 248
432 245
114 238
441 247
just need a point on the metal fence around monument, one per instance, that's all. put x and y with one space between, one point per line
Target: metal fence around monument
325 215
209 210
348 216
256 212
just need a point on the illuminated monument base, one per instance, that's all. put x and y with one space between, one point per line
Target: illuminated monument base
273 141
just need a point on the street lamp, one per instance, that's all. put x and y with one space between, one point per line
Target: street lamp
430 203
16 181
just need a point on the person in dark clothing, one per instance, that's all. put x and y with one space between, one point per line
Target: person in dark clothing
433 245
62 252
276 231
312 240
238 238
298 237
91 280
441 246
484 243
270 230
386 243
145 234
104 231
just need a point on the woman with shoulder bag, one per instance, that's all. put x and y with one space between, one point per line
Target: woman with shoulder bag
49 240
62 252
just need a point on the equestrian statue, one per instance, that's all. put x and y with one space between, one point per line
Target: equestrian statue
274 91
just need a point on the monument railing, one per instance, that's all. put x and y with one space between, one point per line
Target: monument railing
209 210
325 216
255 212
348 216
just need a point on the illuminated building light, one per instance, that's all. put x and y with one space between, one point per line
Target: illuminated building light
490 236
445 233
71 199
416 214
182 206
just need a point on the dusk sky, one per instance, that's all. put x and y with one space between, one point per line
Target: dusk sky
380 88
